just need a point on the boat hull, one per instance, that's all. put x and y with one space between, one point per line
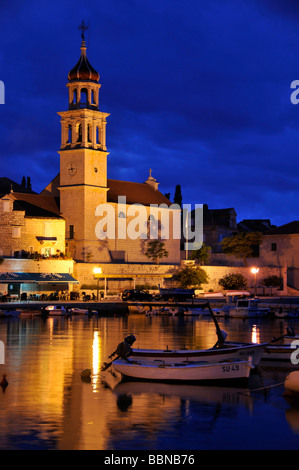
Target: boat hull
231 352
197 372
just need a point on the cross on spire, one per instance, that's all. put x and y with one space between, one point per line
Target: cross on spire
83 28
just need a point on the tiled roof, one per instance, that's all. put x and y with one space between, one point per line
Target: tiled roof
287 229
138 193
36 205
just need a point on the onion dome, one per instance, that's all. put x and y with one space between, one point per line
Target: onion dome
83 71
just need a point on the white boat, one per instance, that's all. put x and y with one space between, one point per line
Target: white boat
284 350
221 312
55 310
247 308
227 352
82 311
188 372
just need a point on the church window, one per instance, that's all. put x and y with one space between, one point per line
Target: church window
69 134
97 135
92 97
89 133
79 132
75 97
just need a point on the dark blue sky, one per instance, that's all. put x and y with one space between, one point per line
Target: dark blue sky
199 91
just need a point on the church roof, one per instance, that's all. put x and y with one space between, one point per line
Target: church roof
135 193
83 70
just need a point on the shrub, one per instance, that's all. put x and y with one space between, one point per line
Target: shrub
233 281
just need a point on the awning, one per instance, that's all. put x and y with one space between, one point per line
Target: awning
39 278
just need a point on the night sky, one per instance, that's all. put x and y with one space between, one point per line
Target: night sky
197 90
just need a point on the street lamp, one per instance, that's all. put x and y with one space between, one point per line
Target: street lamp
255 271
97 272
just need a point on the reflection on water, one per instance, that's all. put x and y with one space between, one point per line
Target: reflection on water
47 406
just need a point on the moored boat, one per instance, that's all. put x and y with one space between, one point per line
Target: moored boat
9 313
226 352
55 310
248 308
184 372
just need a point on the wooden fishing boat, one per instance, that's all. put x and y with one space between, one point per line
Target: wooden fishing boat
184 372
283 349
227 352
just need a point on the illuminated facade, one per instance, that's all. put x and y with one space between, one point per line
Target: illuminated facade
82 184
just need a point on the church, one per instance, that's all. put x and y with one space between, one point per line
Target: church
65 217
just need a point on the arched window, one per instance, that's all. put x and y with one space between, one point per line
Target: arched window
79 132
89 133
69 134
84 97
75 97
98 135
92 97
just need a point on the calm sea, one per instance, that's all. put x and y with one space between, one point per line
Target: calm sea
47 406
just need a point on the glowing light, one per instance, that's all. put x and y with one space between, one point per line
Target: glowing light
255 335
96 356
97 270
255 270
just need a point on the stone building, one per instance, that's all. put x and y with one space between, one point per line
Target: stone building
84 192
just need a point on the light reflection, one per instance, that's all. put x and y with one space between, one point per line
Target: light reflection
96 358
255 334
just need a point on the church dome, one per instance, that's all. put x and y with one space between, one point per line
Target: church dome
83 71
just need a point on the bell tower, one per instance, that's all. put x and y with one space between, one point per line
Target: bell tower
83 158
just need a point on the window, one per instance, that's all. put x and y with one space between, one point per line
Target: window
71 231
88 133
273 246
48 229
98 135
16 232
79 132
84 95
69 134
5 205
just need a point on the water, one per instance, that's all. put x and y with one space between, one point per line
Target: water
47 406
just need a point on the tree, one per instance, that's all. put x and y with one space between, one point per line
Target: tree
242 245
202 254
233 281
191 276
178 195
273 281
155 250
29 183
